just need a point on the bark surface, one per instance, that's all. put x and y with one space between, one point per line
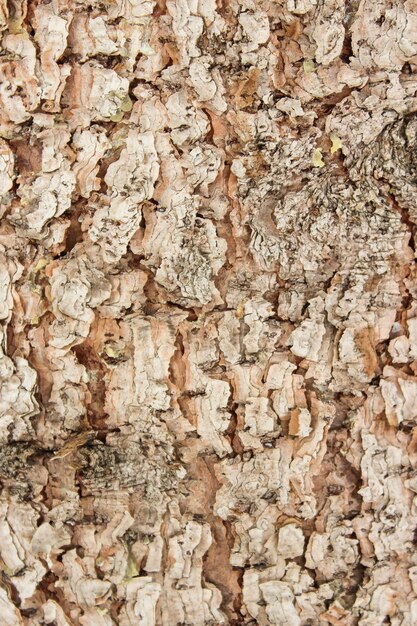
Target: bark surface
208 392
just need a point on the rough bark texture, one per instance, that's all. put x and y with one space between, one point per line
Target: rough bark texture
209 319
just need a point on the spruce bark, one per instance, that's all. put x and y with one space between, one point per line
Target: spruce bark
208 392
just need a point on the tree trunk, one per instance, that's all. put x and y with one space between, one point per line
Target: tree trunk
209 318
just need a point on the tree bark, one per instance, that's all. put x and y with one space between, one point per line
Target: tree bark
208 312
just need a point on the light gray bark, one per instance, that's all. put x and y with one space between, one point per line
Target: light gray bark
208 312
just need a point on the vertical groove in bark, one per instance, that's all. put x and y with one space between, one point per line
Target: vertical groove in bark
208 339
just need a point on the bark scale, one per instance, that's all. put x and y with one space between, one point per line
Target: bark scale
208 312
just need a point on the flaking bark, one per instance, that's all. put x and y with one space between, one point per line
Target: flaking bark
208 356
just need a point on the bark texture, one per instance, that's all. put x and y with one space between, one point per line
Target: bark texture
208 312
